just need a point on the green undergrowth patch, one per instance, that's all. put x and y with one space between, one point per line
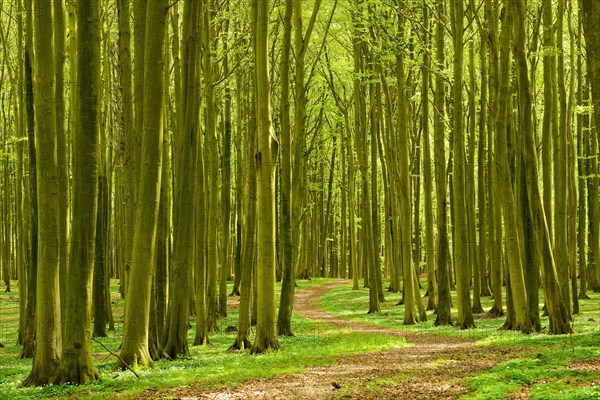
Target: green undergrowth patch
207 366
544 364
353 304
548 375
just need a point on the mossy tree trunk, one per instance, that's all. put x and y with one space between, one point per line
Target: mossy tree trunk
503 170
32 256
176 327
494 205
443 316
225 270
461 239
264 159
134 348
590 11
76 364
48 340
427 177
248 245
60 36
211 161
286 303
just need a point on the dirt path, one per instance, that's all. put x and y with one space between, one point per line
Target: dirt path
430 368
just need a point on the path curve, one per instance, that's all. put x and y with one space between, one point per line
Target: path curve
430 368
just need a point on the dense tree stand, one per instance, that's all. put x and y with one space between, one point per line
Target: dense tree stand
168 147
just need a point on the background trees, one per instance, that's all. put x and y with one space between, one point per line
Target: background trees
321 111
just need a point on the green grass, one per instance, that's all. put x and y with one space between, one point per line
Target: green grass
547 374
209 366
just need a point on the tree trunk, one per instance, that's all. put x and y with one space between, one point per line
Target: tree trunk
32 256
248 251
176 327
99 279
508 200
443 316
461 238
226 185
590 11
264 159
286 303
494 206
134 349
427 178
60 36
560 166
47 316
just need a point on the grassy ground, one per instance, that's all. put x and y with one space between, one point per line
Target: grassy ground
553 366
314 344
545 367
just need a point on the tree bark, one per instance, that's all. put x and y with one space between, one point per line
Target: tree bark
134 349
47 316
264 159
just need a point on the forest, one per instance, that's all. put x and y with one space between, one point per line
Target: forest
221 197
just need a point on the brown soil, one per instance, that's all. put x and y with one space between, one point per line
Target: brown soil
431 367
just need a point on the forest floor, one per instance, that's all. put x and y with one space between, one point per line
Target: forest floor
341 352
431 366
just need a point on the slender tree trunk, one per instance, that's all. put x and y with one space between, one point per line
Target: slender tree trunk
76 364
590 11
443 316
130 146
99 278
560 165
427 178
571 172
462 261
508 200
47 315
211 151
495 205
175 335
483 172
32 261
265 156
248 251
582 171
288 281
474 260
60 36
549 107
134 349
226 184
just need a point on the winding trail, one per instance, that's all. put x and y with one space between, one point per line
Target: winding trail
429 368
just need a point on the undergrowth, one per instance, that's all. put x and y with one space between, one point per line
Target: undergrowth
548 372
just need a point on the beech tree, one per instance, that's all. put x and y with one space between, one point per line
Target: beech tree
48 338
134 350
266 154
76 365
